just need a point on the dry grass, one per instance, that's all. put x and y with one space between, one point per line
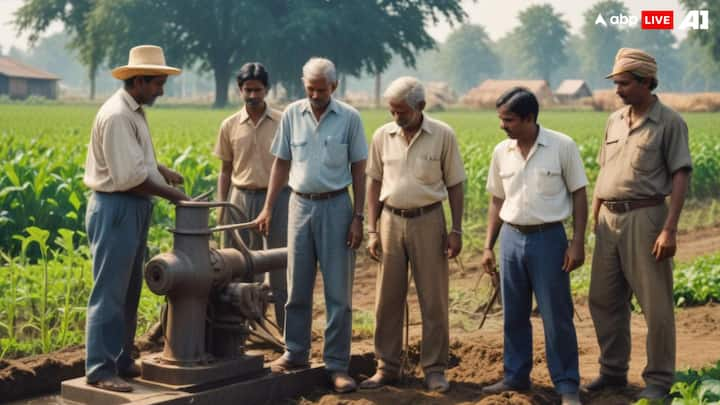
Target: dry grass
607 100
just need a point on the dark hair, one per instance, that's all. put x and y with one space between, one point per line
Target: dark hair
130 80
253 71
653 80
520 101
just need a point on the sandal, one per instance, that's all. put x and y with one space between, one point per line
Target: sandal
113 383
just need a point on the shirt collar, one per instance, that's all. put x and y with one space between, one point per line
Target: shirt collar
652 115
244 116
424 127
542 139
129 100
332 106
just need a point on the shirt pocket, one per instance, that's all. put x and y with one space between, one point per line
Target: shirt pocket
612 147
428 170
646 156
549 182
336 153
299 150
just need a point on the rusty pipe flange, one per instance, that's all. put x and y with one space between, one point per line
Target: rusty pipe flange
159 273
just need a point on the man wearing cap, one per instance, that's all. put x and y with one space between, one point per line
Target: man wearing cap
536 180
243 145
414 165
644 157
324 140
123 174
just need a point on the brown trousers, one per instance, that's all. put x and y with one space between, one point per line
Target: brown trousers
622 265
420 243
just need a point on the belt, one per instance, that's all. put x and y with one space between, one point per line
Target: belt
321 196
251 190
620 206
412 212
534 228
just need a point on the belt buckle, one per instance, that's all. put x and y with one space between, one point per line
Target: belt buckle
403 212
626 205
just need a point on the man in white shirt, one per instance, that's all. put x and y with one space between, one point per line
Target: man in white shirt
536 180
123 174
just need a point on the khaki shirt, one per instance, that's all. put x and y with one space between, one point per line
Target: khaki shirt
638 162
121 154
537 190
417 174
247 146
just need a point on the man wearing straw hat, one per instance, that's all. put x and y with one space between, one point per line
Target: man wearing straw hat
643 158
123 174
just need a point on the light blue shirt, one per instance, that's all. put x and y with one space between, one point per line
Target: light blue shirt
321 153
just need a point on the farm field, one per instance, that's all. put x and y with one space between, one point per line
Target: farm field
45 273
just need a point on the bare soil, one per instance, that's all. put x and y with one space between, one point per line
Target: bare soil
476 355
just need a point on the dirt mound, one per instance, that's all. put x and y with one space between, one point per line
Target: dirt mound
40 374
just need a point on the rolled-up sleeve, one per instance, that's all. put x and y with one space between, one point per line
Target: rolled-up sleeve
676 148
358 143
123 153
280 147
573 170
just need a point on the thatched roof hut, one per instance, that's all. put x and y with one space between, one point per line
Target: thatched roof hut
485 95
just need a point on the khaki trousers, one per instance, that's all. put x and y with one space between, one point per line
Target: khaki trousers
420 243
622 265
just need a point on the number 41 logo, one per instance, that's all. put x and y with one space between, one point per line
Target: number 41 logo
696 19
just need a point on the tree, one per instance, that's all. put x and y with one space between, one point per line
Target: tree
600 43
466 58
542 36
35 16
711 36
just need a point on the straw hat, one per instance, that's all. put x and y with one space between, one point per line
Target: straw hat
635 61
145 60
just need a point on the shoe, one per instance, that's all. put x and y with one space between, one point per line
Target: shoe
342 382
571 399
113 383
437 382
284 365
502 386
379 379
606 381
654 392
131 372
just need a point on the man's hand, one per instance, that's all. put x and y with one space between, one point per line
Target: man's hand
262 222
454 245
373 246
171 177
355 234
488 261
574 255
665 245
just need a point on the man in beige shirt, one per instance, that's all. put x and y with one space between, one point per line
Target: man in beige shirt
536 180
414 165
243 145
123 174
644 157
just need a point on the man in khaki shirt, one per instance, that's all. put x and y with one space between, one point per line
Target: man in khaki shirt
243 145
536 180
123 174
643 158
414 165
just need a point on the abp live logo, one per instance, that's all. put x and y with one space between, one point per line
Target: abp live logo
660 20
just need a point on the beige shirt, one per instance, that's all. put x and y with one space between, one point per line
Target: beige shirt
121 154
638 162
247 146
537 190
416 174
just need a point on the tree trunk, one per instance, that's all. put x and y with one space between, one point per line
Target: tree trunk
343 85
222 81
92 73
377 90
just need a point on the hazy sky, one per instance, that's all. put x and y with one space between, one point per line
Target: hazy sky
497 16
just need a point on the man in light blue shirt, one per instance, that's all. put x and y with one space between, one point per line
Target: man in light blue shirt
320 145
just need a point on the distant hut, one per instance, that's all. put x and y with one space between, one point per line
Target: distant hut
19 80
485 95
570 90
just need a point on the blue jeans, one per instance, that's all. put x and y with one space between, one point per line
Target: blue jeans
317 233
533 263
117 226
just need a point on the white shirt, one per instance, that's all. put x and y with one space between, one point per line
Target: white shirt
537 190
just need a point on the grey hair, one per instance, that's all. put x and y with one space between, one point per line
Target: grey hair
408 89
320 67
